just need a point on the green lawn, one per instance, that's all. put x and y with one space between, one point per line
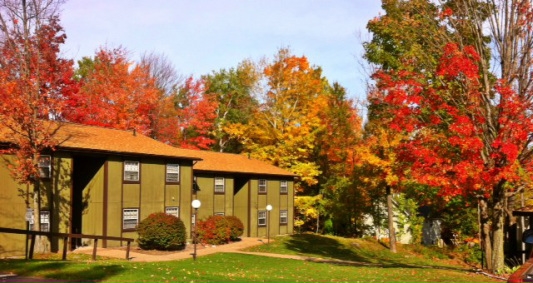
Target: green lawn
375 264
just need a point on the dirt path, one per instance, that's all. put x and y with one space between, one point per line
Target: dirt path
201 250
150 256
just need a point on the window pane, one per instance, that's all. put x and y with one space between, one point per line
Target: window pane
262 186
174 210
131 166
173 173
261 218
45 162
131 170
45 221
130 218
283 187
283 217
219 185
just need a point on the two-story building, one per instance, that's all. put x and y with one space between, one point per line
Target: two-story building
101 181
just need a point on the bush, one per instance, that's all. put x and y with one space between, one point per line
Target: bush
214 230
161 231
236 227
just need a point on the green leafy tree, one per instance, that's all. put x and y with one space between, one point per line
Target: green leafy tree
234 90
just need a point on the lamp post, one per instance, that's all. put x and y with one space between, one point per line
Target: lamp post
195 204
268 208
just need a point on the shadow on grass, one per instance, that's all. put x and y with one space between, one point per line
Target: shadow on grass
322 247
59 270
332 251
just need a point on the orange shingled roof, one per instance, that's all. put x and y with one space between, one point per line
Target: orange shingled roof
235 163
91 138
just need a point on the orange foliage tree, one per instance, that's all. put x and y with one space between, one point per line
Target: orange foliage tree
284 128
195 115
34 80
115 93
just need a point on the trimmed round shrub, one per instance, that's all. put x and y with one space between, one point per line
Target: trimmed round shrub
214 230
160 231
236 227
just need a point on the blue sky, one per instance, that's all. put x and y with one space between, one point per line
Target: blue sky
200 36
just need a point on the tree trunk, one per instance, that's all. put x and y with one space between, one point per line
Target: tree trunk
498 235
485 233
392 232
40 241
317 221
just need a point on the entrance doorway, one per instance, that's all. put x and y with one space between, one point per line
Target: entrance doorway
84 170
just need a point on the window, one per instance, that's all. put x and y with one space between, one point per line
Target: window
283 187
131 171
45 221
219 185
262 186
173 173
45 166
173 210
283 217
130 218
262 218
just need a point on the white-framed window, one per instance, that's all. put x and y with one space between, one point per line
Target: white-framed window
262 186
173 210
220 213
283 216
173 173
219 185
130 218
131 171
45 221
283 187
45 166
262 218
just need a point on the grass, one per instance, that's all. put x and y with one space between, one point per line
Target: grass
374 264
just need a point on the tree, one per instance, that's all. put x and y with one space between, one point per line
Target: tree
33 82
162 71
477 105
334 153
447 135
196 114
284 128
167 81
234 90
114 93
378 164
342 131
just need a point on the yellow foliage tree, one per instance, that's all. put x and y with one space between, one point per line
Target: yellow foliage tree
284 128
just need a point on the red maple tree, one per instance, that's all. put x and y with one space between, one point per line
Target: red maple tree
459 139
33 83
114 93
196 114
